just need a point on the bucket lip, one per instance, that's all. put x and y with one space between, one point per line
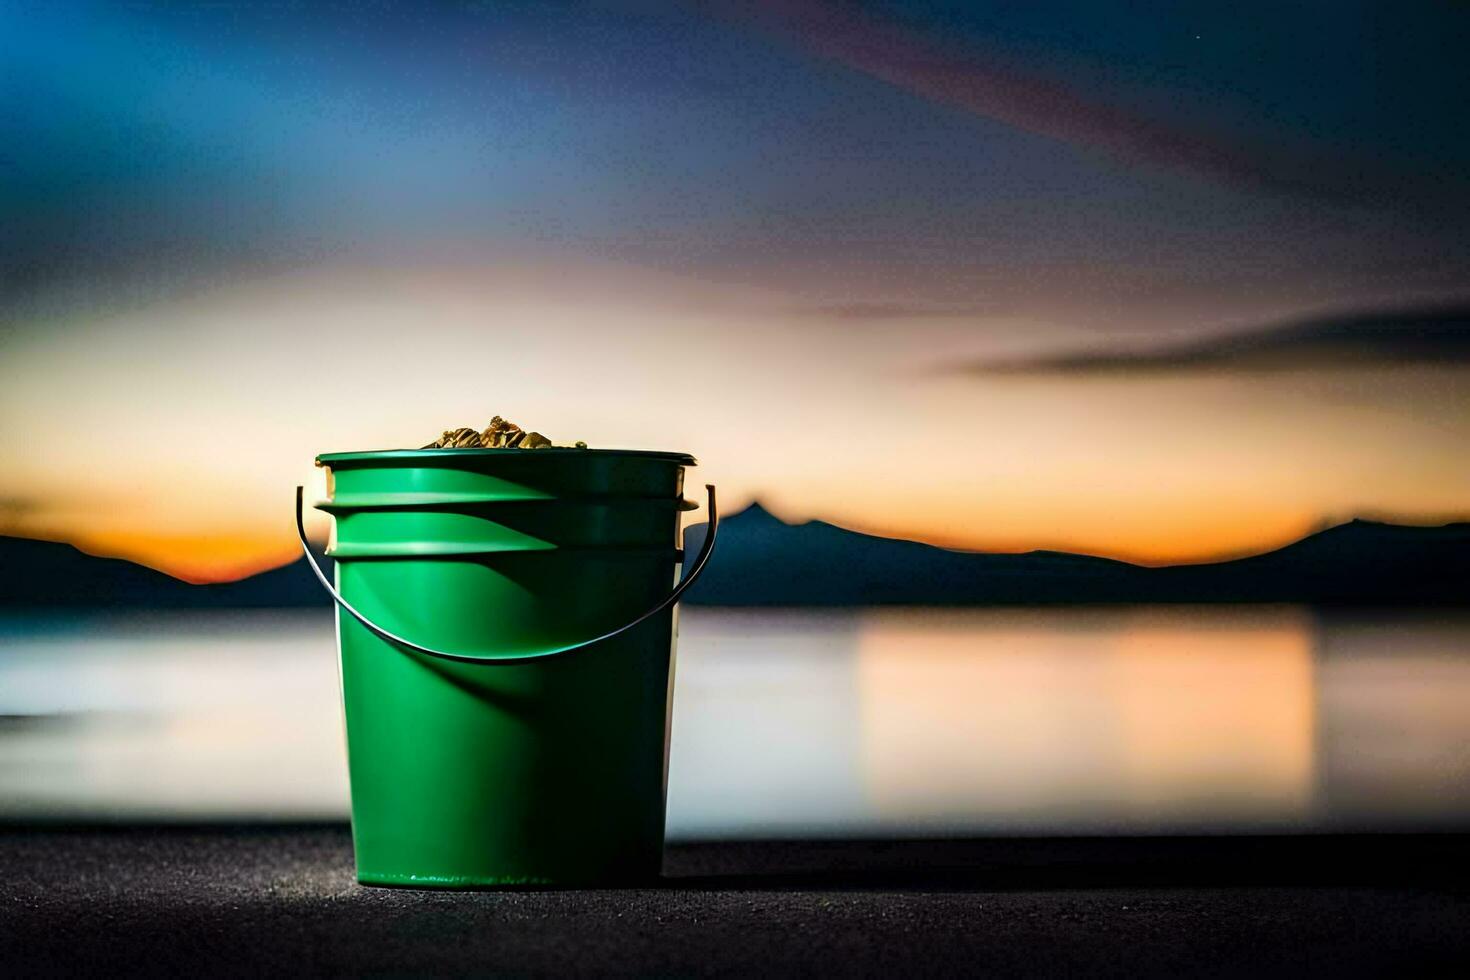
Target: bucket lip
371 551
373 455
351 503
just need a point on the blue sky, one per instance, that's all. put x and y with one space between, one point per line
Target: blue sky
710 137
820 220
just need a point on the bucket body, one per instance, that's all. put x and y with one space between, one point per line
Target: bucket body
510 767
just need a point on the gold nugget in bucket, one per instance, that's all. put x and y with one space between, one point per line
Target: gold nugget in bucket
499 434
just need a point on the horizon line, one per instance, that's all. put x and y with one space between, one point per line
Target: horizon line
1223 558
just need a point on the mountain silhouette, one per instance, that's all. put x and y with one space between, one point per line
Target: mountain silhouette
51 574
764 561
761 560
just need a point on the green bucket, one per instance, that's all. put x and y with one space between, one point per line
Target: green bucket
506 629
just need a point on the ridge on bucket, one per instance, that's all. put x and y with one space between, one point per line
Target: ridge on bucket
506 627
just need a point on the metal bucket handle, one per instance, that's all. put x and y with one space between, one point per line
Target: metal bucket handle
673 597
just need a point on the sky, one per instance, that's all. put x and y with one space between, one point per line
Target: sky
1167 282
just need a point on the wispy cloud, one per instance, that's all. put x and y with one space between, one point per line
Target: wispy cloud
883 312
1030 100
1439 335
13 508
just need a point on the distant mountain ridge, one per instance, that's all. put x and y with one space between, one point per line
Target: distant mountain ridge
764 561
48 574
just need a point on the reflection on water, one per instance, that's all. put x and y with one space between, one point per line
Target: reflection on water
808 722
1131 716
1396 742
171 715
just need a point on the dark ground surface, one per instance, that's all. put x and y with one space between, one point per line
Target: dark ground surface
271 900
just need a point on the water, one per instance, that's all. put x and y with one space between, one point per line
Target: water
794 723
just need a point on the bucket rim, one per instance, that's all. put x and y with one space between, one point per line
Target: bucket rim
353 503
372 455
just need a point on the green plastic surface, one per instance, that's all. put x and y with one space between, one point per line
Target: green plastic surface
544 773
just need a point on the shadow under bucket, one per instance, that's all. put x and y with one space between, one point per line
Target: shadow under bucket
506 628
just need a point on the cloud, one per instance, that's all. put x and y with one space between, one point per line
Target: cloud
1029 100
901 311
14 506
15 512
1438 335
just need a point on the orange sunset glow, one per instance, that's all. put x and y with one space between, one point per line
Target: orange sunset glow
213 407
946 288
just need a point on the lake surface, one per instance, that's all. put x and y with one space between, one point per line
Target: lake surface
787 723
